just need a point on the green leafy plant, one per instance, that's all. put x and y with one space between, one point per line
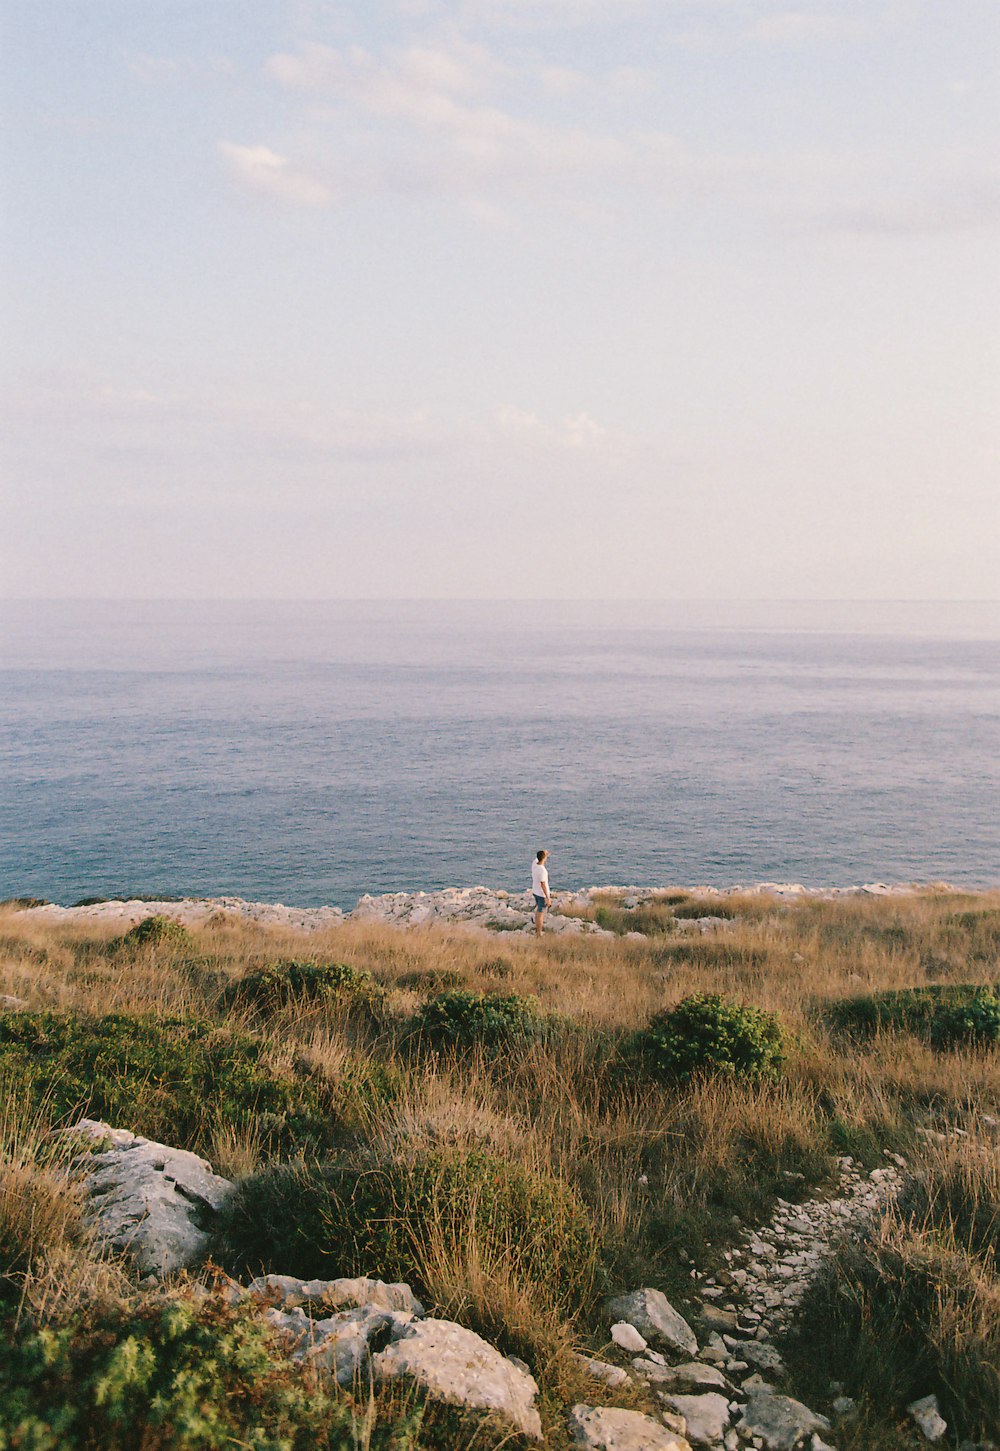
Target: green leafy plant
163 1375
948 1014
282 984
354 1218
177 1078
157 932
708 1033
462 1019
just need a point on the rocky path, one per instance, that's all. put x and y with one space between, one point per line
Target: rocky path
766 1277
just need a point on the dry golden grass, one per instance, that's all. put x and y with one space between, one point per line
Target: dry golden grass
665 1172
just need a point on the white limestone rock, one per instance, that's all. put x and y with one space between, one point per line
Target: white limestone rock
148 1200
926 1413
706 1416
196 912
288 1291
627 1337
652 1314
603 1370
452 1364
696 1375
606 1428
780 1422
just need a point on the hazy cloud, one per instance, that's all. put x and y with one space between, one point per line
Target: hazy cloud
262 170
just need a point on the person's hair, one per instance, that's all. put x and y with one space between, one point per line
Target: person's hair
541 854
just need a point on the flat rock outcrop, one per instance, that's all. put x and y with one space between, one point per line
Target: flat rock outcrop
606 1428
148 1200
484 908
452 1364
290 1293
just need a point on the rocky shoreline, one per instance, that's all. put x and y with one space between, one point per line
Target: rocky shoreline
481 908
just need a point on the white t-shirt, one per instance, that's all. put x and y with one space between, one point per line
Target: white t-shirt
539 879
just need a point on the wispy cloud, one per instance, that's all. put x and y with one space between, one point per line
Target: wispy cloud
261 170
957 207
578 432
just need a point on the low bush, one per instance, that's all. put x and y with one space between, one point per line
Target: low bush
164 1375
157 932
353 1218
708 1033
173 1079
947 1014
282 984
464 1019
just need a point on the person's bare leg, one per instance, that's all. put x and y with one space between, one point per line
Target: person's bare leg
538 923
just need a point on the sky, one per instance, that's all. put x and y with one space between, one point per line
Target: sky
501 298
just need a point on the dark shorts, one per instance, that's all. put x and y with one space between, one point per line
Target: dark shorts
540 902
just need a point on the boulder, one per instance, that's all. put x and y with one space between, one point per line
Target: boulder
605 1428
452 1364
289 1292
779 1421
652 1314
148 1200
706 1416
603 1370
926 1414
759 1353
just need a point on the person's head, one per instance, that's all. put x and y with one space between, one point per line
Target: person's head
541 854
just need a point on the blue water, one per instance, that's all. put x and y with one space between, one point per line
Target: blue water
308 752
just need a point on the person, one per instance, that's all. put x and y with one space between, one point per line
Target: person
540 887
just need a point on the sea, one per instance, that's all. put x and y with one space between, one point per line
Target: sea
310 751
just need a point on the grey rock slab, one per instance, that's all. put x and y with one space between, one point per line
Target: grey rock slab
695 1373
706 1415
760 1353
336 1294
655 1319
779 1421
607 1428
452 1364
341 1343
147 1199
603 1370
926 1414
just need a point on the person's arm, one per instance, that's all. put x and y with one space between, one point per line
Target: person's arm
548 894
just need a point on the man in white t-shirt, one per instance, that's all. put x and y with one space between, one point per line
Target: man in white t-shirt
540 887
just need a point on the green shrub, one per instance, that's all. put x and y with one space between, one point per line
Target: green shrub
157 932
164 1375
948 1014
348 1218
282 984
709 1033
431 979
174 1078
462 1019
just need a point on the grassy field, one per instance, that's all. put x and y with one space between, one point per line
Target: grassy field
492 1120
